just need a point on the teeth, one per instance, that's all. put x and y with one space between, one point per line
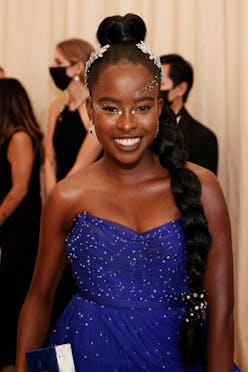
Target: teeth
127 141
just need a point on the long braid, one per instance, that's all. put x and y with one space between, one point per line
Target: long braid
186 189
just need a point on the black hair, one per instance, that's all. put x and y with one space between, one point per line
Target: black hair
186 189
17 112
180 70
122 33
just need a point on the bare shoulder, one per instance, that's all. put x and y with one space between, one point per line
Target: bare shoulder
57 105
20 138
55 108
70 196
212 195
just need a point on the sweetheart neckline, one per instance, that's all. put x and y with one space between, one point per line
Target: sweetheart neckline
124 227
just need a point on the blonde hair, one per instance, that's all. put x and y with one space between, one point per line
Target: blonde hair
75 50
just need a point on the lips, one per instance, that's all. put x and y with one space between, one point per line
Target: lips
127 141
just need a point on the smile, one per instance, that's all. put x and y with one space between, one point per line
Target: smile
127 141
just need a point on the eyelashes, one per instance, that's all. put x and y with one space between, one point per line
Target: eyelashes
114 110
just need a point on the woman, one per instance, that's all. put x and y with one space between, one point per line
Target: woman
68 120
20 206
153 268
68 146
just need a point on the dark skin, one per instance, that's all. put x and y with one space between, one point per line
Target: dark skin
126 125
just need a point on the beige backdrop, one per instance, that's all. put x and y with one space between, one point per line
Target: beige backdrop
212 34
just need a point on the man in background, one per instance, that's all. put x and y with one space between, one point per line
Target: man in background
200 142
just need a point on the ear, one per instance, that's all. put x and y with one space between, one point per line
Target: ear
79 67
160 105
89 107
182 88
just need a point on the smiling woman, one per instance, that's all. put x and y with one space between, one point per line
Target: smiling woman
126 120
147 234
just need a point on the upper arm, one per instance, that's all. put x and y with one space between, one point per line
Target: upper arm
54 110
219 270
88 153
21 157
218 278
51 257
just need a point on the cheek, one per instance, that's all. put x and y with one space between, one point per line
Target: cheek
171 95
104 123
148 122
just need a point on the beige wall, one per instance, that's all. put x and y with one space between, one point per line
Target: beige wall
212 34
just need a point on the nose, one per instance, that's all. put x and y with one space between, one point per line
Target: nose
126 121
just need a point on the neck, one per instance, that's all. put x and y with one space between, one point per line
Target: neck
144 168
78 94
177 105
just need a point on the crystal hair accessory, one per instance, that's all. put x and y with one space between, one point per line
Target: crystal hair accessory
196 305
145 49
93 56
99 54
156 134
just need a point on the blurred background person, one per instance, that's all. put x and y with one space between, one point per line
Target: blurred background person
177 80
20 206
2 73
68 145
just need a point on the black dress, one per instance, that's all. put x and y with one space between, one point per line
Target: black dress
69 135
18 242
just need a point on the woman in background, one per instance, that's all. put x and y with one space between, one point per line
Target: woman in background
68 146
20 206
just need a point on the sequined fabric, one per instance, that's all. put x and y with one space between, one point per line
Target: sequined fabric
129 309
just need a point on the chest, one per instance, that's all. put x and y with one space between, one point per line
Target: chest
140 208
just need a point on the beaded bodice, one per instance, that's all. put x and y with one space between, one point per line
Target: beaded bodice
115 265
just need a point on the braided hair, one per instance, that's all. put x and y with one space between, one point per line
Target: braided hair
186 189
122 34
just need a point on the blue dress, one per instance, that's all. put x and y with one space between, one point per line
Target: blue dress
129 310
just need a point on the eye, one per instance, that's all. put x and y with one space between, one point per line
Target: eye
142 108
108 109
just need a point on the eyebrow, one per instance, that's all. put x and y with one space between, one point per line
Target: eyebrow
115 100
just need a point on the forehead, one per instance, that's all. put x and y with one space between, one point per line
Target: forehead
126 79
58 55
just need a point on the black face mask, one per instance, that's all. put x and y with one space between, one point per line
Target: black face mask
164 94
58 74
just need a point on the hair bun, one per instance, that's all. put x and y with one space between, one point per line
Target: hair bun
117 29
